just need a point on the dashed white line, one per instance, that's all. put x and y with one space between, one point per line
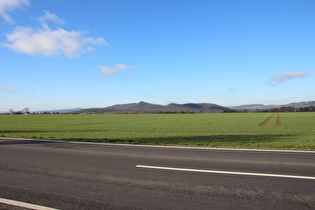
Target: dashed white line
226 172
24 205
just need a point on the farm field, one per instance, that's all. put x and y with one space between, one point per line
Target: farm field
237 130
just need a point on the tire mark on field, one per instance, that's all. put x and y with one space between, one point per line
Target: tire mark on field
267 120
278 120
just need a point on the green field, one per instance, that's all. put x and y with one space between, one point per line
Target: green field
240 130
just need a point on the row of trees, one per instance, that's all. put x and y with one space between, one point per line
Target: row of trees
290 109
280 109
23 111
27 111
235 111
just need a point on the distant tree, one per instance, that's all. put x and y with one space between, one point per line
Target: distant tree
26 110
11 111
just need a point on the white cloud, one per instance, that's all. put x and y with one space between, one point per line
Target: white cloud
48 42
117 68
48 16
283 77
9 5
11 89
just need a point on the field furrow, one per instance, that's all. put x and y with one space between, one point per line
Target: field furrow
267 120
278 120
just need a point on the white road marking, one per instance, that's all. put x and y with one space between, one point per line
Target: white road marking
226 172
24 205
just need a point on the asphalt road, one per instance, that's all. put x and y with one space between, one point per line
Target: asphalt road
68 175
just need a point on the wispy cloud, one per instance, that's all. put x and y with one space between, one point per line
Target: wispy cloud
48 16
10 5
108 71
283 77
11 89
48 42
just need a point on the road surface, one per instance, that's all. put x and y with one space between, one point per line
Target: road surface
69 175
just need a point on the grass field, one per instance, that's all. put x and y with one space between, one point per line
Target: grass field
240 130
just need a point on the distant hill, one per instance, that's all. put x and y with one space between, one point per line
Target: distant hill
254 107
302 104
58 110
144 107
196 107
141 106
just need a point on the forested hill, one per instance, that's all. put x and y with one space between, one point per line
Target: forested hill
144 107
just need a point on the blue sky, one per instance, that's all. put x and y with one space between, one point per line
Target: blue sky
57 54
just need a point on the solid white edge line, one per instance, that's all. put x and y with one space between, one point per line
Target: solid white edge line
225 172
161 146
24 205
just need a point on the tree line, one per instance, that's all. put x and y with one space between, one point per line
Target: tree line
290 109
280 109
23 111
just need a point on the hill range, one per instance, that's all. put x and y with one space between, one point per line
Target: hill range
144 107
254 107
